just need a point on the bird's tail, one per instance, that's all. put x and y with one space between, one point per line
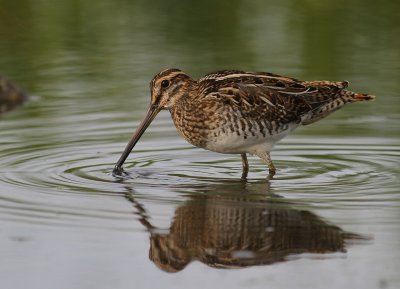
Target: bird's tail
350 96
334 104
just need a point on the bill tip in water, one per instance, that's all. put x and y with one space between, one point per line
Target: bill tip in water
118 171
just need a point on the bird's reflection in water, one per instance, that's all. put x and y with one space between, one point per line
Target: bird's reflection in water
226 230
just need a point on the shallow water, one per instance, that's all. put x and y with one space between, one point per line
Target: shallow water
330 217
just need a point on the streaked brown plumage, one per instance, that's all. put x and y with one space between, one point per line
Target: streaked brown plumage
241 230
239 112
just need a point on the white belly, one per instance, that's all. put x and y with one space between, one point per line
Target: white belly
231 143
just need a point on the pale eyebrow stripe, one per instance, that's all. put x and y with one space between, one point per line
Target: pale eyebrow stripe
238 75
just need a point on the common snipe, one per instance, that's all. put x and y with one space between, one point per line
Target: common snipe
239 112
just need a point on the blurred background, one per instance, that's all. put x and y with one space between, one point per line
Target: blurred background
122 44
87 64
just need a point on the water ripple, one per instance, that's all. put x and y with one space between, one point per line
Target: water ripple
85 166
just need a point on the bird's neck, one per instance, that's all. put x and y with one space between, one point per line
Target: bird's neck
188 94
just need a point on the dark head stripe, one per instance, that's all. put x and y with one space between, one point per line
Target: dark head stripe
167 72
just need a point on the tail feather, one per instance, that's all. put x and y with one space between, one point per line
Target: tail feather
350 96
334 104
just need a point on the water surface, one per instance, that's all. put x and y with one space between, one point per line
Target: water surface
330 217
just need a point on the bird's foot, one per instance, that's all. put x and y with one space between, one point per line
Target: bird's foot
271 173
244 175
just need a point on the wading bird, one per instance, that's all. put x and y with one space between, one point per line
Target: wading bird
238 112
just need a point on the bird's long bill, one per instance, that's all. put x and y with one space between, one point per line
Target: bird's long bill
148 118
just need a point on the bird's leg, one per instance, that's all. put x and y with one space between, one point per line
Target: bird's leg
266 157
245 165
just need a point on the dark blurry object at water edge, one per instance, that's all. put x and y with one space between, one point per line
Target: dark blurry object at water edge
11 95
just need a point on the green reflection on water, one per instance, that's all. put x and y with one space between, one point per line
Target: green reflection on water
108 51
124 39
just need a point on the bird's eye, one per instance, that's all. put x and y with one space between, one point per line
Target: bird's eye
165 83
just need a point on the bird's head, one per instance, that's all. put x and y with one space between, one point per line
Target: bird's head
166 89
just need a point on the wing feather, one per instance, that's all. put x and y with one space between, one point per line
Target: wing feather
282 98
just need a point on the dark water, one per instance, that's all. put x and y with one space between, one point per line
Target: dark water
330 217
